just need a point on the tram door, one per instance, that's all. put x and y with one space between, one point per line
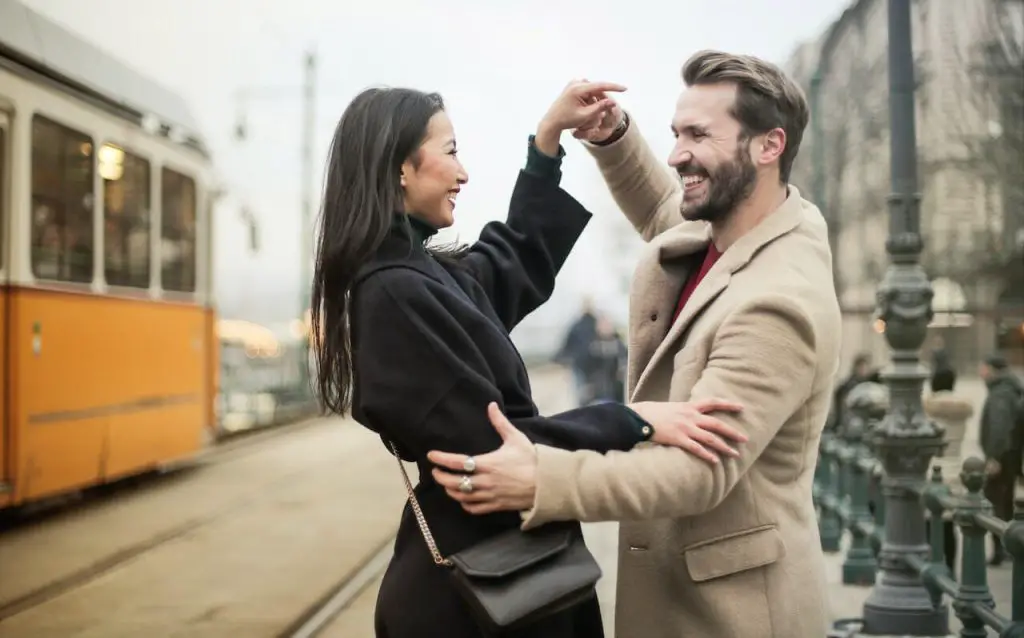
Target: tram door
5 308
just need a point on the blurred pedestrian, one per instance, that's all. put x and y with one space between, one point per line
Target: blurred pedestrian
574 351
605 364
1001 440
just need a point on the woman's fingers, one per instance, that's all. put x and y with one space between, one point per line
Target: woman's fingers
717 405
711 441
698 450
721 428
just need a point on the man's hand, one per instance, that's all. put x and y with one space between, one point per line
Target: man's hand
582 104
601 129
993 467
502 480
688 426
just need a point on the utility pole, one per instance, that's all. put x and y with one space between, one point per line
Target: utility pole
307 137
306 184
907 439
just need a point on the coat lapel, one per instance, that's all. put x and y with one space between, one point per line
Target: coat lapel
687 239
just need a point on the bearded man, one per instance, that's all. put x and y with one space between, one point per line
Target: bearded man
733 298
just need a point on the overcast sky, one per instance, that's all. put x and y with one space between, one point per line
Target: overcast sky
498 64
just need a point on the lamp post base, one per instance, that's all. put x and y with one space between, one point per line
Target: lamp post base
904 609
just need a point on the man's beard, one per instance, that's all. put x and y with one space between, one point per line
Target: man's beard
726 188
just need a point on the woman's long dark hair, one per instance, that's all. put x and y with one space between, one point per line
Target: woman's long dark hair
380 129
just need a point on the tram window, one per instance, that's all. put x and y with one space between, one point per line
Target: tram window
126 217
3 194
62 202
178 232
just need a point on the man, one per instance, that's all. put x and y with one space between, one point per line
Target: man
733 298
1000 440
573 352
861 372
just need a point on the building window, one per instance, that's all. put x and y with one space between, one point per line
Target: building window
62 202
126 217
178 232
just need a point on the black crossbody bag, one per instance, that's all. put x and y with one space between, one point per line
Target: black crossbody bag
516 578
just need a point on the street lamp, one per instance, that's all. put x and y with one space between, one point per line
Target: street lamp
907 439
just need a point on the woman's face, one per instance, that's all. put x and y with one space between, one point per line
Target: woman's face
432 177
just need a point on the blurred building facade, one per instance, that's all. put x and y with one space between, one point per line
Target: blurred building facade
970 132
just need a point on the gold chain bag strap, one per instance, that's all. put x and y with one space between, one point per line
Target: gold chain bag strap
516 578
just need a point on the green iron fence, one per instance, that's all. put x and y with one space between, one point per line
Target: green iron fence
847 493
258 389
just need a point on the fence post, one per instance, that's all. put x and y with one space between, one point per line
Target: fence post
973 575
859 567
828 526
1012 544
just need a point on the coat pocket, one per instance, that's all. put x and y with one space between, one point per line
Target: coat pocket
734 553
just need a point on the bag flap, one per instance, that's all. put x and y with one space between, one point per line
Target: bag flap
511 551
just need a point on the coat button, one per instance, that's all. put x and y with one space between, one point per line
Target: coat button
654 316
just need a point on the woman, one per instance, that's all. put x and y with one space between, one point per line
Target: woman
416 341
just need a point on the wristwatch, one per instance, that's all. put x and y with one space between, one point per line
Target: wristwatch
617 134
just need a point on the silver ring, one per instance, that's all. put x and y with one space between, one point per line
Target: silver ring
469 465
466 485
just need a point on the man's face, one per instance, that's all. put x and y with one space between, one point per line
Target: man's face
711 156
985 371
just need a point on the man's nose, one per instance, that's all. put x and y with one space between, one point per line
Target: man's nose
679 156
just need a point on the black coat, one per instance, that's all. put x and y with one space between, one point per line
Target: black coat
431 350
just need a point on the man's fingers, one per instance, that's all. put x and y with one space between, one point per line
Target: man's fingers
599 87
700 452
473 497
592 110
481 508
446 479
500 422
721 428
717 405
447 459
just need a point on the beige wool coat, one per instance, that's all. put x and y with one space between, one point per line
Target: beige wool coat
726 551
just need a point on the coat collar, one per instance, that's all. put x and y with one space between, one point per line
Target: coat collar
689 238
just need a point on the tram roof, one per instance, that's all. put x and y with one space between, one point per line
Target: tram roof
45 47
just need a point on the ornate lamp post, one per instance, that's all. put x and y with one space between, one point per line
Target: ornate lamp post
906 440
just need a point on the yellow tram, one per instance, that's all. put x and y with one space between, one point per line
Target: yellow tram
108 357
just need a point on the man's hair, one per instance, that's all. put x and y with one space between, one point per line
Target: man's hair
766 98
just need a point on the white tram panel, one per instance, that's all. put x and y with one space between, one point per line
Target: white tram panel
67 80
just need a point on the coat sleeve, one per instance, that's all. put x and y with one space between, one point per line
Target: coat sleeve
427 384
759 356
641 185
516 262
999 425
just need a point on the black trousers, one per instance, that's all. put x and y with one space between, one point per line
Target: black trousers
999 491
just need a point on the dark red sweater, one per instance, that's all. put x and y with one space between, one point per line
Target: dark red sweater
710 257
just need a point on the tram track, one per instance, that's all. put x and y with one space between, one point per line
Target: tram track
321 614
234 451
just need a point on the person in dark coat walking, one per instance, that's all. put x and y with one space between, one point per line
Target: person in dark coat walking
1001 440
605 365
415 339
576 347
